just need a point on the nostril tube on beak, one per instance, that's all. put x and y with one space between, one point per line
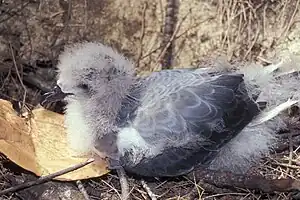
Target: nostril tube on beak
53 96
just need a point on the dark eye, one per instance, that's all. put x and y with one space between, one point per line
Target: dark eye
83 86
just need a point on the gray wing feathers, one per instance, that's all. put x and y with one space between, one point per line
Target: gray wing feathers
177 103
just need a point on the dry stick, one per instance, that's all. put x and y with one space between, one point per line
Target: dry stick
82 190
124 183
6 78
12 13
44 179
148 190
292 19
242 195
112 188
252 44
122 177
140 53
162 53
18 74
177 36
290 151
169 29
254 182
201 187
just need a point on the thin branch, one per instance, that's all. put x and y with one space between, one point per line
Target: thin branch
253 182
140 53
161 55
292 19
169 29
18 74
124 184
148 190
82 190
11 13
44 179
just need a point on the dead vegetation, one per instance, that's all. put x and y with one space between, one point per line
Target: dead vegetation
32 33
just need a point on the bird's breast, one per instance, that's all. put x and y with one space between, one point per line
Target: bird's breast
132 144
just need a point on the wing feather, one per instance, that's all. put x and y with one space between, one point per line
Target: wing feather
192 113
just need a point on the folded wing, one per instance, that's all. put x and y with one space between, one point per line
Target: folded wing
185 117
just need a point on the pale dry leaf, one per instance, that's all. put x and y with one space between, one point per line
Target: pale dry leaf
39 144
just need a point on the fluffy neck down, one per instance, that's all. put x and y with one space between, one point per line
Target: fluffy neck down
90 120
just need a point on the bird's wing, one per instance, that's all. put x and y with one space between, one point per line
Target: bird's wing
190 112
181 104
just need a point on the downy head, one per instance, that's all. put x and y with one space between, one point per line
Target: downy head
93 79
88 69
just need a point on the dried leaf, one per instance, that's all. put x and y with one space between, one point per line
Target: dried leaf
39 144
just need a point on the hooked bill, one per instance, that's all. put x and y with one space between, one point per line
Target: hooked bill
53 96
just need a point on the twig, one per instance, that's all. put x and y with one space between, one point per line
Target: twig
86 14
6 78
254 182
13 13
162 53
122 177
281 171
288 166
140 53
252 44
82 190
111 187
169 30
148 190
292 19
18 74
44 179
193 26
290 151
179 35
224 194
124 184
201 187
142 193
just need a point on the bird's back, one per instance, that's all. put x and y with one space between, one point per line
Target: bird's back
176 119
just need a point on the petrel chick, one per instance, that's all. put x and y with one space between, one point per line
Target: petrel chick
169 122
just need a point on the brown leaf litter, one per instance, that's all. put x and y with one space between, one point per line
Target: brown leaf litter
39 144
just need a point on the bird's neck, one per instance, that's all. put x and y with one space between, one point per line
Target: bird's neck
107 105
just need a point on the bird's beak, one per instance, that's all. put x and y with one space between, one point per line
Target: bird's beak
55 95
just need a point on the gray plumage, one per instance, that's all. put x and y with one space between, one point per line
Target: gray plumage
170 121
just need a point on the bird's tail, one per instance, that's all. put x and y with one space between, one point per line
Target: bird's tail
276 87
275 83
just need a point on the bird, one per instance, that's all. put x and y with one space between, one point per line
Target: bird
167 123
